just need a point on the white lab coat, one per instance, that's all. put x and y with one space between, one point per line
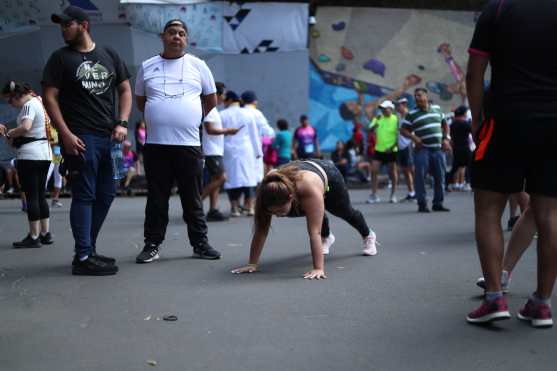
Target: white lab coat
264 130
241 149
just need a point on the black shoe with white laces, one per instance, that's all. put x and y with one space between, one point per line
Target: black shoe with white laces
46 239
28 243
206 252
150 253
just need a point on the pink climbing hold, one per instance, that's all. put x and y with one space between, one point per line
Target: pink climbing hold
346 53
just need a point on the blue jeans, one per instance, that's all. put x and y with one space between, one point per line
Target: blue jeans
426 160
93 190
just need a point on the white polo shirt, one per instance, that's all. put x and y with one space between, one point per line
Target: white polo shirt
213 145
39 150
173 88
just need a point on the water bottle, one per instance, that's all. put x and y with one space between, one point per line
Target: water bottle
118 172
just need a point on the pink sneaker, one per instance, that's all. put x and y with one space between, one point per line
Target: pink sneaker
326 243
495 310
539 315
370 242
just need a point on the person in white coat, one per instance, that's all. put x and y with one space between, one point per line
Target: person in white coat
241 151
249 99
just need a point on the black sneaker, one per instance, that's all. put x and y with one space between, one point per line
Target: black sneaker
150 253
27 243
93 267
215 215
439 208
423 209
410 198
103 258
46 239
206 252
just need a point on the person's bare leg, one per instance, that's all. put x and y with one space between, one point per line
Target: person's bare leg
545 215
393 173
409 174
45 226
213 186
55 193
521 238
523 200
489 207
35 229
513 206
375 176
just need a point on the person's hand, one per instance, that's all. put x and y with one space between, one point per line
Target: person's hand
418 143
72 144
446 146
119 133
232 131
250 268
3 129
411 80
315 274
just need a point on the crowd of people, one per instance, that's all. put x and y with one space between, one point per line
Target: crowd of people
270 173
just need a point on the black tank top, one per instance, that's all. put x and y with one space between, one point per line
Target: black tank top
308 165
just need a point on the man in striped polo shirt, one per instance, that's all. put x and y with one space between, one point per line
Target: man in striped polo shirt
427 128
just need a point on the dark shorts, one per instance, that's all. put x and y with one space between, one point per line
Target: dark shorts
461 157
214 165
512 153
384 157
235 194
405 157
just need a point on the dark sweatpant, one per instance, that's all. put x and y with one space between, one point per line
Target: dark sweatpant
32 175
165 165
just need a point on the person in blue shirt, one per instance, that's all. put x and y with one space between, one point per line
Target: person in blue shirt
283 143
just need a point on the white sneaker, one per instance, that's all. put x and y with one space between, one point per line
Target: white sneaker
234 213
326 243
373 199
393 199
369 245
56 203
467 188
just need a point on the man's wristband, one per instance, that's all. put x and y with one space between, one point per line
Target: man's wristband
122 123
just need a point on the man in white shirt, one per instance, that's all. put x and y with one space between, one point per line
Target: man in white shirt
174 90
249 99
213 150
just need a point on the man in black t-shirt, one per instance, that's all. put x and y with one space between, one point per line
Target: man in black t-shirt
460 135
516 142
80 84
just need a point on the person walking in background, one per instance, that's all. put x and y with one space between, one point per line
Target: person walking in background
241 151
405 156
516 139
213 150
283 143
305 143
80 83
460 135
174 90
30 138
386 129
249 100
427 128
341 159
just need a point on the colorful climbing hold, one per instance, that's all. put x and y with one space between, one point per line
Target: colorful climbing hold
340 67
324 58
339 26
346 53
376 66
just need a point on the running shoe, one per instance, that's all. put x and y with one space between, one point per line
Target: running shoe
56 204
206 252
393 199
46 239
93 267
235 213
504 284
439 207
539 315
495 310
370 242
327 243
373 199
28 243
149 254
410 198
215 215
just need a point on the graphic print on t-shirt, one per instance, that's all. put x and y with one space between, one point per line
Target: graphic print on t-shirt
94 77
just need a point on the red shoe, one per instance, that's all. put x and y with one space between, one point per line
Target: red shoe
489 311
539 315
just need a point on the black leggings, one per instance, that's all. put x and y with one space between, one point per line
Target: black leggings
32 176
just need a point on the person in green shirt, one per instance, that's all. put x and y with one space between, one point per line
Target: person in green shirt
283 143
386 148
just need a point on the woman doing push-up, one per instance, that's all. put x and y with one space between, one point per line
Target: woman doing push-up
306 188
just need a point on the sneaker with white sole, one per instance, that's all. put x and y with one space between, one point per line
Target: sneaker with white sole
539 315
373 199
327 242
489 311
504 284
393 199
370 242
149 254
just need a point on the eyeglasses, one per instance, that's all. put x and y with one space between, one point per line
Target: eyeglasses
181 82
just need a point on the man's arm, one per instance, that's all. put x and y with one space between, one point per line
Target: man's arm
477 65
72 144
208 102
125 106
140 101
211 130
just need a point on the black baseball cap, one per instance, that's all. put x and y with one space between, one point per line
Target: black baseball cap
175 22
71 13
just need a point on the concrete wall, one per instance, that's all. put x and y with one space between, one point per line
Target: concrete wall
279 79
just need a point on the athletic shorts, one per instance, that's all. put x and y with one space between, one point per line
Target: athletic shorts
461 157
405 157
384 157
214 165
514 153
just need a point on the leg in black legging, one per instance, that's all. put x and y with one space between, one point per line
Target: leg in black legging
337 202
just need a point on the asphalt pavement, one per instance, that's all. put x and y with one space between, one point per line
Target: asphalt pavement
403 309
